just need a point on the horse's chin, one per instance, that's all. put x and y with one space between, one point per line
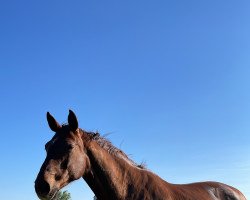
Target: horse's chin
50 196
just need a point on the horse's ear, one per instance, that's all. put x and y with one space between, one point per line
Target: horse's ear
53 124
72 120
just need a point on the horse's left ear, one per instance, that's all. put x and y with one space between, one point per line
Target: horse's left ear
72 120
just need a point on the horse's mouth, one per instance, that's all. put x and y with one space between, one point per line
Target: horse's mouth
52 194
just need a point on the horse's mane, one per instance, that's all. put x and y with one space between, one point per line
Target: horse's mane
110 148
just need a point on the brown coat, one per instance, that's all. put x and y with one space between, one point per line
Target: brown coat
73 153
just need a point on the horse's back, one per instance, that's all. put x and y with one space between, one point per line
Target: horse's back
207 191
226 192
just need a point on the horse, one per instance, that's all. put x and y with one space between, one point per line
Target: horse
73 153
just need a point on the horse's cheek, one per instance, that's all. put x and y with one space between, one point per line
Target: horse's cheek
78 167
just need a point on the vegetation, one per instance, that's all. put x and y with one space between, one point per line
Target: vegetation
62 196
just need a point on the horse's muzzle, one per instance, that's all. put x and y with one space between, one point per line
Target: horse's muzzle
43 189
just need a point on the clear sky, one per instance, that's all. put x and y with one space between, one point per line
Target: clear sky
169 79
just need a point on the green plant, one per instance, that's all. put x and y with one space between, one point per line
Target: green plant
62 196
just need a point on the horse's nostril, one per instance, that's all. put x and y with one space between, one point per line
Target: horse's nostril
57 177
42 188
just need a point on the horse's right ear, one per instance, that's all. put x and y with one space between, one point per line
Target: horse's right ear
53 124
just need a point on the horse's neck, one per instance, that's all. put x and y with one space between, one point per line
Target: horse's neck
109 175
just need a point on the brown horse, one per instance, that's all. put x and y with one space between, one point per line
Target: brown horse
74 153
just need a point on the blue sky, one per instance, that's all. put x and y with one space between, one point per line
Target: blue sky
168 79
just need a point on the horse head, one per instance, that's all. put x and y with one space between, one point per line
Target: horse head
66 159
